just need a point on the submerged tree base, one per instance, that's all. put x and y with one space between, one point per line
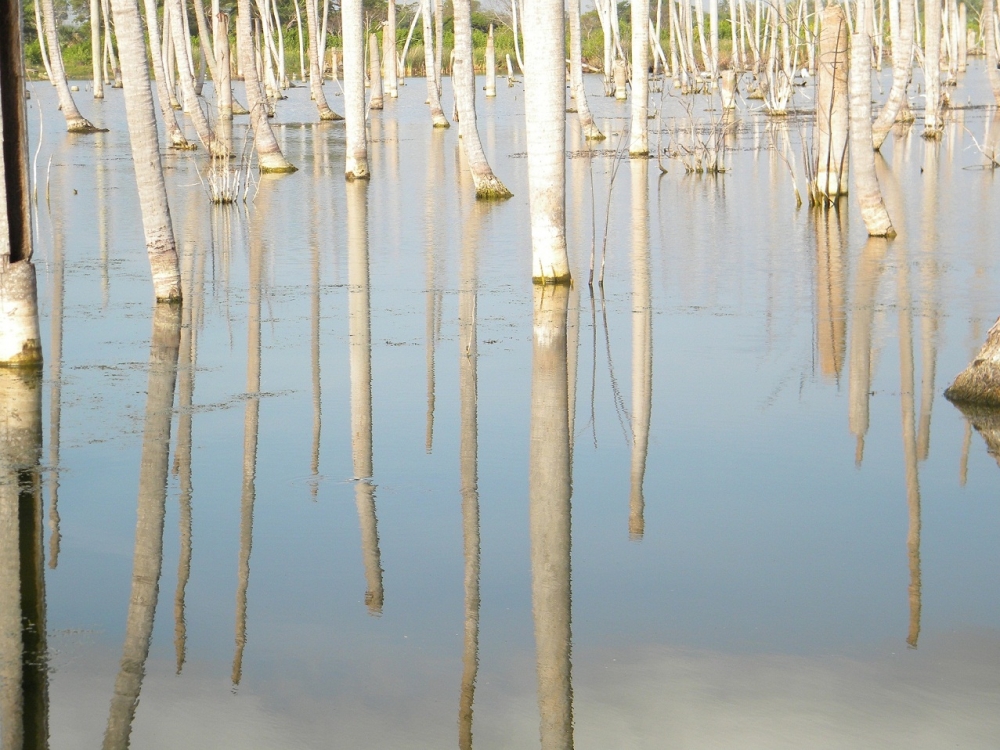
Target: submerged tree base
491 189
328 115
979 383
83 125
565 279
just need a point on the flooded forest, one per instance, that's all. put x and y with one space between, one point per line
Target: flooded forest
501 374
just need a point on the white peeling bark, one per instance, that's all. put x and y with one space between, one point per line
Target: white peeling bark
159 232
545 128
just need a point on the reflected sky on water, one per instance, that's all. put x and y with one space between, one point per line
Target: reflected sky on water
755 523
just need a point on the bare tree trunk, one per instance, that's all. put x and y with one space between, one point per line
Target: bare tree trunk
389 58
147 560
205 40
990 43
175 136
160 244
902 54
19 335
832 112
269 154
550 488
352 32
186 75
866 185
374 73
590 130
95 47
223 84
75 122
639 140
464 83
439 43
932 69
433 92
491 65
315 74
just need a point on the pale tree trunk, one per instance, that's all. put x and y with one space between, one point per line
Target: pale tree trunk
639 137
590 130
862 319
359 334
932 69
19 335
374 73
147 559
873 210
990 43
186 75
315 74
95 47
491 65
352 32
109 47
963 38
463 76
75 122
549 488
545 128
224 84
713 36
159 232
206 41
269 156
251 425
389 50
468 468
43 45
832 112
164 83
902 54
438 42
433 92
642 345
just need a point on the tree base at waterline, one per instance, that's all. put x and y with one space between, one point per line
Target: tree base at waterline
979 383
328 115
84 126
20 344
492 189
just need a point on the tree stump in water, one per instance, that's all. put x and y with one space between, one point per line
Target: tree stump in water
979 383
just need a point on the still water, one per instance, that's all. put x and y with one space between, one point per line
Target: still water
723 505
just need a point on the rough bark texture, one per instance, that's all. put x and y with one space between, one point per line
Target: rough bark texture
360 343
832 104
549 487
545 128
464 84
315 76
932 69
902 53
174 133
374 73
75 122
159 232
587 125
639 136
185 74
866 185
433 92
356 167
269 156
147 559
224 83
979 383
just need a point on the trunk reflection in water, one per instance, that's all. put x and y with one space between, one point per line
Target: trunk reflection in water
148 555
642 344
550 488
24 678
359 323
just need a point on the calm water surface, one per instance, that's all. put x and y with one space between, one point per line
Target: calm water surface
779 533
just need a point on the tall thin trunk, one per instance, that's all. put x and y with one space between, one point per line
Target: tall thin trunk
186 76
164 83
438 43
932 69
159 232
517 45
42 44
315 74
902 54
359 324
147 559
352 31
990 43
832 110
75 122
642 345
433 92
639 136
545 128
549 511
873 210
223 84
95 47
464 83
491 65
206 43
590 130
269 156
389 50
374 73
109 46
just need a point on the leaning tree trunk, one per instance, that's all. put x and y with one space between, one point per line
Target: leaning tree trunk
932 69
464 82
269 156
141 117
902 54
19 335
75 122
147 560
590 130
186 76
352 22
433 93
866 185
550 489
990 42
639 141
545 128
174 133
389 50
315 74
832 113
